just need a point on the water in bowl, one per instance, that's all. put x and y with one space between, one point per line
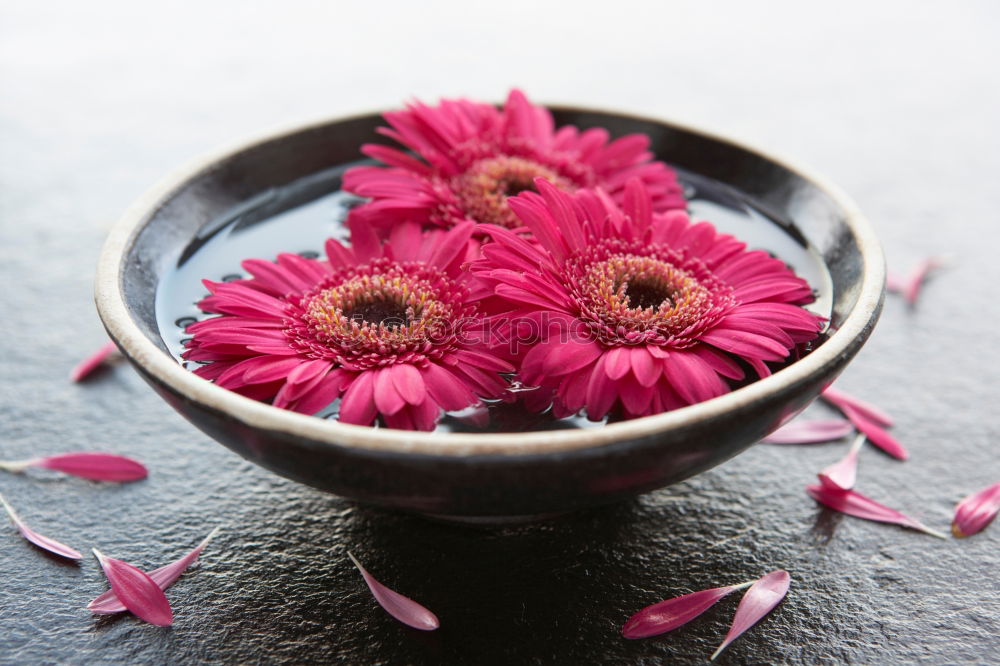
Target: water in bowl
300 217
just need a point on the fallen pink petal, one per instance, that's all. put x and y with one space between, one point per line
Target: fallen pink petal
914 282
875 433
758 601
842 474
404 609
976 511
137 591
670 614
840 399
859 506
87 366
810 432
164 577
96 466
93 466
43 542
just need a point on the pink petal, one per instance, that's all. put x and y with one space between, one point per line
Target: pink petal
95 466
404 609
364 241
568 357
673 613
635 397
839 398
879 437
137 591
693 379
387 398
322 394
810 432
859 506
914 282
451 245
638 204
358 403
842 474
269 369
85 367
617 362
409 383
425 415
601 392
43 542
164 577
645 369
746 345
758 601
976 511
446 389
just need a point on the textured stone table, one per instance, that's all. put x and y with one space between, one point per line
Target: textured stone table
897 102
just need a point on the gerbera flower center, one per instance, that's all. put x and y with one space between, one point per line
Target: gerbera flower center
378 313
643 293
379 307
385 312
636 294
484 187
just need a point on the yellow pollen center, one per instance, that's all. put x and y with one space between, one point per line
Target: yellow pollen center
484 188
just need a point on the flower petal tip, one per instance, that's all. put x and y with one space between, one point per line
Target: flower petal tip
759 600
45 543
667 615
855 504
136 591
842 474
89 365
109 604
404 609
933 532
974 513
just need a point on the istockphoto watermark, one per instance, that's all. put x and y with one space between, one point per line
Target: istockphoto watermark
513 332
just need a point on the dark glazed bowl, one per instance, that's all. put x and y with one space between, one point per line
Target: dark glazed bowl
483 475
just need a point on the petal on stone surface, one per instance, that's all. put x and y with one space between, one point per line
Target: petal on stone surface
811 431
758 601
839 398
404 609
94 466
875 433
87 366
976 511
842 474
137 591
164 577
670 614
859 506
40 540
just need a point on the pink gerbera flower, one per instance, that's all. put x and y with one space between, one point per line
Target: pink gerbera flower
471 157
389 329
637 312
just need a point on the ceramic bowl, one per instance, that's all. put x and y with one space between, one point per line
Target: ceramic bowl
483 476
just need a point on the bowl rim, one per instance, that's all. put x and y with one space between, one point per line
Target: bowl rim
161 367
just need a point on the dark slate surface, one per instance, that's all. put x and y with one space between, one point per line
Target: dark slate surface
895 101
